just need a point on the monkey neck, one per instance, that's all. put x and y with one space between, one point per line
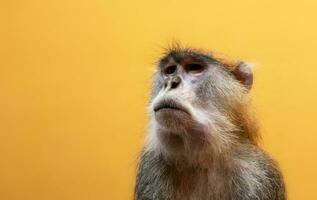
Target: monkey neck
204 159
210 156
199 149
187 178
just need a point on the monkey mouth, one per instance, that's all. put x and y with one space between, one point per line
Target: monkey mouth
169 105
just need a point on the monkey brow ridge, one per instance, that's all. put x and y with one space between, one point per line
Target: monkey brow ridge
178 53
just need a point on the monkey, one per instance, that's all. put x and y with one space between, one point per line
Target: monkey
203 133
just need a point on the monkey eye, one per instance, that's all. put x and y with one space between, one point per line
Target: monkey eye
194 68
170 69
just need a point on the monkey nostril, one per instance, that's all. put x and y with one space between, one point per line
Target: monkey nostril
175 82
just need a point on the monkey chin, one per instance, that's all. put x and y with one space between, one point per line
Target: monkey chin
175 120
178 133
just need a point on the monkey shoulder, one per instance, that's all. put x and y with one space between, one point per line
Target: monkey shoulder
256 175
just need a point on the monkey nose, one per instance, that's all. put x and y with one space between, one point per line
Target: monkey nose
173 82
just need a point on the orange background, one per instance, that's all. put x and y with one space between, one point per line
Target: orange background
75 76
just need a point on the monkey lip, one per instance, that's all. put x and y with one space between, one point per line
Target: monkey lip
169 105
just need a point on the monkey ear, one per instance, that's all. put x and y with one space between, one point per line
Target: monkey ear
243 73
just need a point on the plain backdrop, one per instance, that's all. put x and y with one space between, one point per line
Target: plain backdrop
75 76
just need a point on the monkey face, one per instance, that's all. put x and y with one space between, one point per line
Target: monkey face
193 99
176 99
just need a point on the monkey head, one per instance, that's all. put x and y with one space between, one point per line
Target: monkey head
198 102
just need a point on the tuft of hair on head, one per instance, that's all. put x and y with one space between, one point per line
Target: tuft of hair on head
176 47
